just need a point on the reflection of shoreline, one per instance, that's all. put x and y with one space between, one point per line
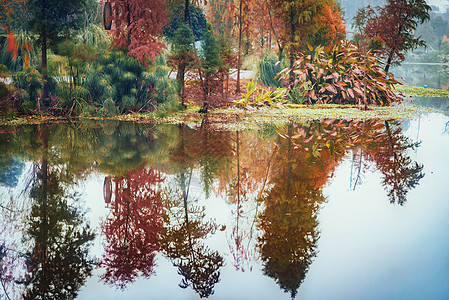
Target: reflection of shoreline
439 103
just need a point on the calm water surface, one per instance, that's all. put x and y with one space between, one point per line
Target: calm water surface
329 209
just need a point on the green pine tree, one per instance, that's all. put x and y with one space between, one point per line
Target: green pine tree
210 64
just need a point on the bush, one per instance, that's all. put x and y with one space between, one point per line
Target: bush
267 69
125 82
341 74
5 105
31 82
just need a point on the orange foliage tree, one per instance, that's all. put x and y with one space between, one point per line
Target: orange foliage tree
302 19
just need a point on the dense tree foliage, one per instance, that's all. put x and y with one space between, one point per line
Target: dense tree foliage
138 27
198 22
183 54
135 227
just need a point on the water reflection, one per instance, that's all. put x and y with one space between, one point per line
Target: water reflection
186 227
56 262
271 180
134 229
289 221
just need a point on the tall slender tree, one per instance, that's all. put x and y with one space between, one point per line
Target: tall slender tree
301 20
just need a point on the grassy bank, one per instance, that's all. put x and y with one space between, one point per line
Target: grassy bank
421 91
233 118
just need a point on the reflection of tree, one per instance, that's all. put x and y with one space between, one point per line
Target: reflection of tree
57 264
289 221
307 156
247 182
133 232
400 173
372 140
186 227
212 148
198 264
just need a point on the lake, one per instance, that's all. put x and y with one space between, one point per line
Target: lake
325 209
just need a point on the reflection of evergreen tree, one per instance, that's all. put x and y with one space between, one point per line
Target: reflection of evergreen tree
57 263
213 151
183 244
134 230
186 228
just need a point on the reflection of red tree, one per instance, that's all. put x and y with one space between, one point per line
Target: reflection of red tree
132 232
389 153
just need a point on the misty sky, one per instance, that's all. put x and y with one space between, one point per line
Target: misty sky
442 4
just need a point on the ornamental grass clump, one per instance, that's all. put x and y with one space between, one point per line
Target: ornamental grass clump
341 74
267 69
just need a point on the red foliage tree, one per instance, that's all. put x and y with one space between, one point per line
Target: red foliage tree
394 24
133 231
138 27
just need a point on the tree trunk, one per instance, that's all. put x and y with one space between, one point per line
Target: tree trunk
44 195
180 77
128 20
390 58
187 16
292 49
281 49
239 61
44 66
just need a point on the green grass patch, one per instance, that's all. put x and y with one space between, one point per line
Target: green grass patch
421 92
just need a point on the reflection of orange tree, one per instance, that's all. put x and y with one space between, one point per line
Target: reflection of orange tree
289 221
373 140
306 157
135 227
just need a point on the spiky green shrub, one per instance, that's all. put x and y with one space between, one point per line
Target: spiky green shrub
130 85
30 82
93 80
267 69
162 89
344 75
